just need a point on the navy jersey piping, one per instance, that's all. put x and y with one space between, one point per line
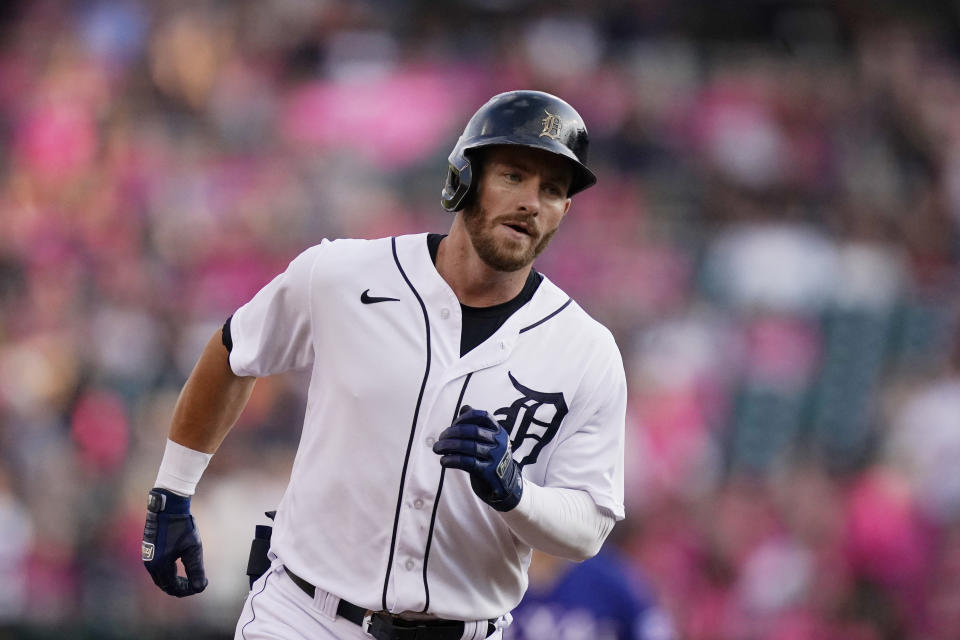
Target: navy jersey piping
542 320
413 426
243 630
436 503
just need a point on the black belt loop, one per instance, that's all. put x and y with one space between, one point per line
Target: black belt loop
385 626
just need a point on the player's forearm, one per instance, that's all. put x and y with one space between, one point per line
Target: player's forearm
562 522
211 401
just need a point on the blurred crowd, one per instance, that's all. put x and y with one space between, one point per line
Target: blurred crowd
773 240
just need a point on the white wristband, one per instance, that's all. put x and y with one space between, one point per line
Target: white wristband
181 468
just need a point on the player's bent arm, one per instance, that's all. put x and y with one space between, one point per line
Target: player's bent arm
211 400
562 522
208 407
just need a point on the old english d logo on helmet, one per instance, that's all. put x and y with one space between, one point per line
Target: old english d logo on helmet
526 118
552 125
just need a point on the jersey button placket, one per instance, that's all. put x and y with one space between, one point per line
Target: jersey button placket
415 516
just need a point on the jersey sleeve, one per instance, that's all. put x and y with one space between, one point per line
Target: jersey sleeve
272 332
590 458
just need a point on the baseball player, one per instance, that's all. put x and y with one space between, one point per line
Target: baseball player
593 600
462 409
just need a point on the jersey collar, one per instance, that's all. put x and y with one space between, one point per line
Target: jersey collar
437 294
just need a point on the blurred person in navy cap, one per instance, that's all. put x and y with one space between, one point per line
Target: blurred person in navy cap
599 599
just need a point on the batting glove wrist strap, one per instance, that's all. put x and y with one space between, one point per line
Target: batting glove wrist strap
168 502
168 534
479 445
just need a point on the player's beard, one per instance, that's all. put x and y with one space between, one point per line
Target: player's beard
497 255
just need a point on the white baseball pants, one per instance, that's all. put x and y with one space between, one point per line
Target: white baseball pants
277 609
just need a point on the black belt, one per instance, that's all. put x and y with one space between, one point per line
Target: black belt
385 626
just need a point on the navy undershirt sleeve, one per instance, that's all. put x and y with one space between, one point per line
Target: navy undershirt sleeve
225 336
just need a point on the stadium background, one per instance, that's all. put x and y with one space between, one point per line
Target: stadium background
773 240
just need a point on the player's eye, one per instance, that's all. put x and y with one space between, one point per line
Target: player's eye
553 190
512 176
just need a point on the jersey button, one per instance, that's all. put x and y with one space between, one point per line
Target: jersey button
430 440
418 504
409 564
444 313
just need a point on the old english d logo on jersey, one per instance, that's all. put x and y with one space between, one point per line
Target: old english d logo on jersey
552 125
532 420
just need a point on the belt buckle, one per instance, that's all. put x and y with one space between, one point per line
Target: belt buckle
380 625
376 626
365 624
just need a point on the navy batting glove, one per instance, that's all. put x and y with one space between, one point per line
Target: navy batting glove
170 533
479 445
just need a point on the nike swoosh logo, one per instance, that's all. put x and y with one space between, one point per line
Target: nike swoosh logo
366 298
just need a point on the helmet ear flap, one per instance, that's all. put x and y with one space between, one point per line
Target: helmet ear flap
458 186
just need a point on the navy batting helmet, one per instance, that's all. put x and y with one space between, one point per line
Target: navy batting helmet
526 118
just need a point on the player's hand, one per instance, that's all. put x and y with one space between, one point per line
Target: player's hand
479 445
170 533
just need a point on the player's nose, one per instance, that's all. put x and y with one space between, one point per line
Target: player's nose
528 196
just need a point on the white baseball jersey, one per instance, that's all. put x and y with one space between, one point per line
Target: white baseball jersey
369 514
